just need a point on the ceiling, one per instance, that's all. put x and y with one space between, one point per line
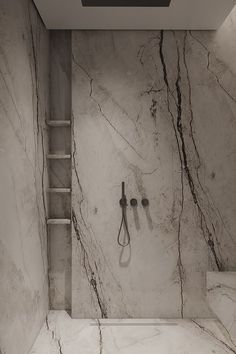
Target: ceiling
181 14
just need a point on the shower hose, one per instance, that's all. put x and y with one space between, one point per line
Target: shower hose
124 223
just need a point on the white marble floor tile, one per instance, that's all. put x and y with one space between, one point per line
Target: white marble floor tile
63 335
221 295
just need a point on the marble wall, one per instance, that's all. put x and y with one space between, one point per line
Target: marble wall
157 110
24 106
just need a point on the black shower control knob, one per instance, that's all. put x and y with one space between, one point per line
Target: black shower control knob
133 202
123 202
145 202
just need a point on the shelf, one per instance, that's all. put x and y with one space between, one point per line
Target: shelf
59 190
58 221
58 123
58 156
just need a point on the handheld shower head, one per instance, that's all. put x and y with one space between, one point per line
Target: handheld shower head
123 200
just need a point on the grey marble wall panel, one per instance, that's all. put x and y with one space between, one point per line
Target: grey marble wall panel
24 106
158 111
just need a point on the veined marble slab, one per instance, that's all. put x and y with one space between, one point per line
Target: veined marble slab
221 294
61 334
158 111
24 107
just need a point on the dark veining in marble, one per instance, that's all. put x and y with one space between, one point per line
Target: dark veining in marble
91 258
34 34
35 66
90 271
92 275
183 152
166 64
222 286
22 53
53 335
209 54
100 337
212 335
91 81
180 265
20 137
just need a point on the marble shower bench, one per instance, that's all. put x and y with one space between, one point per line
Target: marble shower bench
221 295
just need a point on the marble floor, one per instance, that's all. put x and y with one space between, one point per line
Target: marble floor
62 335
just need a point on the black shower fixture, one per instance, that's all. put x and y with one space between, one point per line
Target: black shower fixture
145 202
123 203
133 202
126 3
